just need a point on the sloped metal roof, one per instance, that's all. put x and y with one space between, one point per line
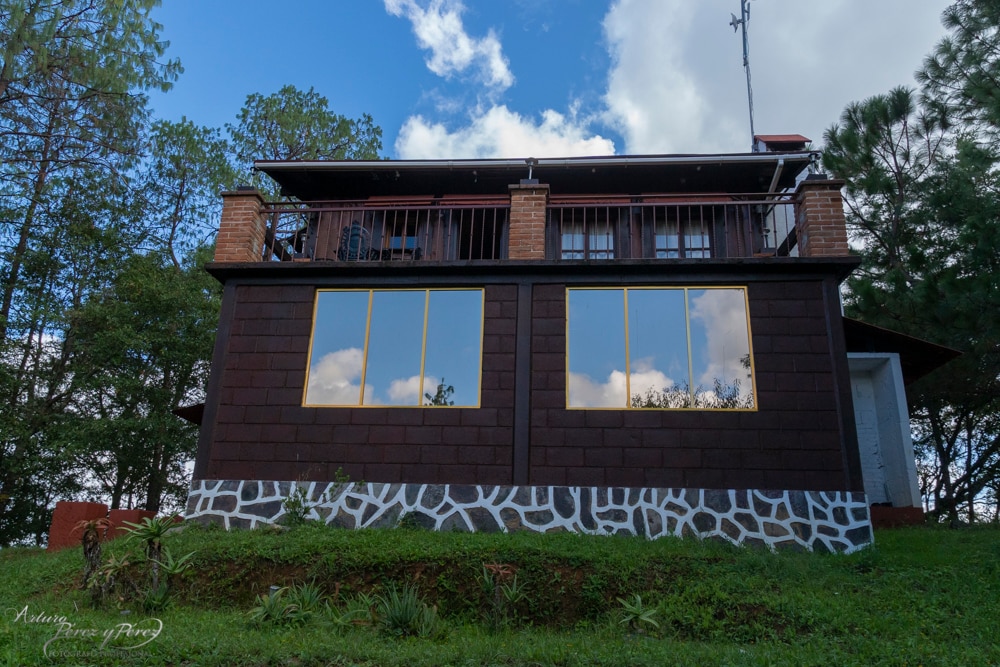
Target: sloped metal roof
619 174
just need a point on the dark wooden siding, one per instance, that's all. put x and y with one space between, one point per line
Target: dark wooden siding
261 430
801 437
793 441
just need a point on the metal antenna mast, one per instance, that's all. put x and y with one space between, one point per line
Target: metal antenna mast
738 23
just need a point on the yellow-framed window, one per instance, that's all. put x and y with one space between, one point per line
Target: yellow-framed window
396 347
659 348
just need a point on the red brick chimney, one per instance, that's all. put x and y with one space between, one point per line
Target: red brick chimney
528 202
241 230
822 228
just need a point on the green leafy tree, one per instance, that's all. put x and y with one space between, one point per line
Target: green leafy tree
37 387
73 76
923 211
884 148
144 345
180 183
298 125
961 77
957 303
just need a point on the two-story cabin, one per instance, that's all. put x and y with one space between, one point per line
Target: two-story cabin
628 344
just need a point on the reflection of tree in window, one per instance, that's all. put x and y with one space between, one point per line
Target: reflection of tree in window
442 396
722 396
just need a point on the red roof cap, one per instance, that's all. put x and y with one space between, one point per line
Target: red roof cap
781 138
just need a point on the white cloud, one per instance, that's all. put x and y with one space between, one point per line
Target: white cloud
335 379
406 391
499 132
654 97
489 131
723 314
439 29
677 84
584 391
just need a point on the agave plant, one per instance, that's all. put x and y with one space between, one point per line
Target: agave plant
151 532
636 614
170 565
401 612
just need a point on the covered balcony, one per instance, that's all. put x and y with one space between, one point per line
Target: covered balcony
665 208
475 228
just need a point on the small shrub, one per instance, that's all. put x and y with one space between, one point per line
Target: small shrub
401 612
504 592
156 599
637 615
294 606
112 578
270 609
410 521
151 531
358 609
308 597
171 566
297 507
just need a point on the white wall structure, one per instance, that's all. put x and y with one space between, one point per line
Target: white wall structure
887 461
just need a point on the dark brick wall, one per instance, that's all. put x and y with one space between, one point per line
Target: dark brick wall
793 441
801 436
261 430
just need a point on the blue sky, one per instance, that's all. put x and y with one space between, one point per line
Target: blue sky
545 78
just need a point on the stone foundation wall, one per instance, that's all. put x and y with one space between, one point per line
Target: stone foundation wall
810 520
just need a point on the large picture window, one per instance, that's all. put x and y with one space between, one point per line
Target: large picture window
655 347
396 347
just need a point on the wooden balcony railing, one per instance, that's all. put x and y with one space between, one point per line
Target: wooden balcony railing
447 229
670 228
476 228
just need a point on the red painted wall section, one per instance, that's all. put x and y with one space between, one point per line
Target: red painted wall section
63 531
119 517
66 531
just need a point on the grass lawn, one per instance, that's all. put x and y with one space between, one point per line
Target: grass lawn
921 596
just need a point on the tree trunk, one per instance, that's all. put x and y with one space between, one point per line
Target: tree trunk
10 282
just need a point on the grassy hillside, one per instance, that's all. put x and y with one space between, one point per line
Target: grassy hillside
920 597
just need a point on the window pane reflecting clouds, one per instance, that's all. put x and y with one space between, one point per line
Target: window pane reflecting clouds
338 348
658 346
687 348
596 343
720 349
454 345
395 339
390 360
